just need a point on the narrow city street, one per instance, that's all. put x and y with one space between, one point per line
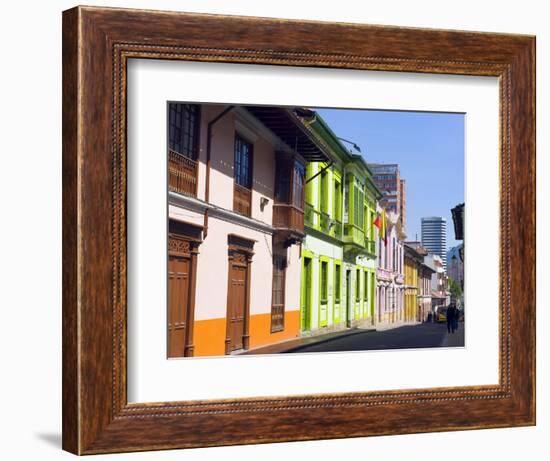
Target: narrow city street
405 337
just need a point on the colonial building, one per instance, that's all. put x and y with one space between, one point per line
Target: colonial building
361 198
338 253
413 262
440 295
425 273
236 180
390 269
424 290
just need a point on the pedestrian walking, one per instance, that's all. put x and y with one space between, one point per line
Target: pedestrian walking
456 318
451 315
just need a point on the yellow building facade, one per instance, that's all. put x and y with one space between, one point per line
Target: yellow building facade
412 262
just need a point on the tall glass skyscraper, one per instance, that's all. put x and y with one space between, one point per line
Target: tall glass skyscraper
434 236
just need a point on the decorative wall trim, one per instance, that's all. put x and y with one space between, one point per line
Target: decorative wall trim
200 206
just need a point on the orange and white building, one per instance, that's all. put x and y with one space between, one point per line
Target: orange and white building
236 223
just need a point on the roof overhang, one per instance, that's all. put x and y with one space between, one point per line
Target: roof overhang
286 124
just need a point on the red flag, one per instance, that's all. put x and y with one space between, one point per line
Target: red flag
378 222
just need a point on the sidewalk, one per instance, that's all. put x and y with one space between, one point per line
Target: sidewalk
295 344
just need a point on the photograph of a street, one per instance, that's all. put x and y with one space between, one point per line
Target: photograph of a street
303 230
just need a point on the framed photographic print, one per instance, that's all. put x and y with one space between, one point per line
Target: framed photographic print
284 230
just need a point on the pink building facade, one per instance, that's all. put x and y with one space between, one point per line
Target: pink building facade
390 273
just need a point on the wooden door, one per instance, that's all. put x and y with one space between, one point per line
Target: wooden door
178 304
238 293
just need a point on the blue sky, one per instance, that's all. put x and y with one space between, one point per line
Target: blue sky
429 148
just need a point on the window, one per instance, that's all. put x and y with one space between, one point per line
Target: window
337 212
360 205
324 282
358 285
346 205
243 162
298 185
183 127
278 289
395 266
365 286
282 180
337 283
289 172
324 192
356 205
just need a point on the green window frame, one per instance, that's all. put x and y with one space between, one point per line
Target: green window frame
360 206
324 282
310 184
371 221
355 205
358 285
337 201
337 283
323 192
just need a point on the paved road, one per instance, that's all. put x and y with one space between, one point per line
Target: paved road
406 337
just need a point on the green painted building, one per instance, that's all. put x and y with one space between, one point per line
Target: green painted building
338 283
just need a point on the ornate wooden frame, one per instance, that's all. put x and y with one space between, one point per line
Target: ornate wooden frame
97 43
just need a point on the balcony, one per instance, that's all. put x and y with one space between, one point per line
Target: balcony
182 174
288 217
322 222
242 200
354 235
384 274
325 222
336 230
312 217
370 246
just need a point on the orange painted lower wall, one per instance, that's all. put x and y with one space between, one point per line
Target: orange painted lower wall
209 335
260 329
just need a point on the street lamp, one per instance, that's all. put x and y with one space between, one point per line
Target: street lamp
355 146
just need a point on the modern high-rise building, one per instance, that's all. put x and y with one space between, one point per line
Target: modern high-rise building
434 236
387 178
